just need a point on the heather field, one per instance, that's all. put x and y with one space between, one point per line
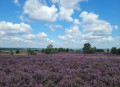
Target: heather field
63 69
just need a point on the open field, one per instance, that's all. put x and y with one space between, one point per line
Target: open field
64 69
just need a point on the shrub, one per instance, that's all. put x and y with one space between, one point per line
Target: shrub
17 51
118 51
11 52
67 50
94 50
107 50
87 48
100 50
114 50
31 52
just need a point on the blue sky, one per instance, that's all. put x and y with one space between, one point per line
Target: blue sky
37 23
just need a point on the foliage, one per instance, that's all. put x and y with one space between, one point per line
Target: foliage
114 50
54 50
11 52
94 50
118 51
31 52
17 51
100 50
87 48
108 50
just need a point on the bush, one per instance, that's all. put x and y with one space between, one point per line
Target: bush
118 51
67 50
114 50
94 50
100 50
107 50
54 50
31 52
11 52
17 51
87 48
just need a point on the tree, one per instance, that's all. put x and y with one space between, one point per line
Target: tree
11 52
114 50
17 51
94 49
87 48
31 52
107 50
50 46
118 51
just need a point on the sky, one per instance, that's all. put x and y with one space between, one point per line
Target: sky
62 23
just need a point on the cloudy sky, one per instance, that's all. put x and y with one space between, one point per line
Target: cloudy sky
63 23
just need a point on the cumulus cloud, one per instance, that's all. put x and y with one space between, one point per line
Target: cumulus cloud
72 33
8 28
15 35
67 8
91 29
36 10
53 27
92 23
41 37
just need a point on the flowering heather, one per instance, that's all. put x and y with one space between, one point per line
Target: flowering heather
65 69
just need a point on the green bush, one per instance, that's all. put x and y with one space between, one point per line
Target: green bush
108 50
87 48
17 51
118 51
94 50
31 52
54 50
100 50
114 50
11 52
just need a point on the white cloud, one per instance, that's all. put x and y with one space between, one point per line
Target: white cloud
66 14
53 27
91 22
16 2
8 28
91 29
116 27
72 33
67 8
41 37
39 11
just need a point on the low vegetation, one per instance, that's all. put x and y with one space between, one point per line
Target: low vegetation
61 69
115 50
17 51
11 52
31 52
54 50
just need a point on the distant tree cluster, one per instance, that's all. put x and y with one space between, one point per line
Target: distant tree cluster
11 52
17 51
31 52
114 50
50 50
88 49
